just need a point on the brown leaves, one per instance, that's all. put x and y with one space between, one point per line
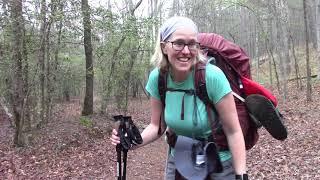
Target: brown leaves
298 156
66 150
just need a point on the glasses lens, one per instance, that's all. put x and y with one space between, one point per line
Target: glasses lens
193 46
178 45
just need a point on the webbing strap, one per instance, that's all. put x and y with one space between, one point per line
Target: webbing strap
201 92
238 96
162 86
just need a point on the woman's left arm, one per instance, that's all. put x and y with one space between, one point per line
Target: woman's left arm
229 118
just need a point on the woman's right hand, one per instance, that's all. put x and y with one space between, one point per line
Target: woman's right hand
115 139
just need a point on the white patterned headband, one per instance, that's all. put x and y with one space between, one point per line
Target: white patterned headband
174 23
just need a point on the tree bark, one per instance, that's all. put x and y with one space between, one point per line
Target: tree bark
26 88
57 47
41 60
311 15
296 65
18 93
283 45
285 26
49 84
281 48
269 46
133 59
318 36
88 100
307 52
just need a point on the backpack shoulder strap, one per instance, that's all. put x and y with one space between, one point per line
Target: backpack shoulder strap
162 85
200 84
162 88
201 92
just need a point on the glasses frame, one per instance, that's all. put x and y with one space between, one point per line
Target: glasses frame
204 49
174 46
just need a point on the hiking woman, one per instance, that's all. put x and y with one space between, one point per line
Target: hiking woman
177 51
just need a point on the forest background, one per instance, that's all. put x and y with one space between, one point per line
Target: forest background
67 66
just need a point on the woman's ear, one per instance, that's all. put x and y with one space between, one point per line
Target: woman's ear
163 47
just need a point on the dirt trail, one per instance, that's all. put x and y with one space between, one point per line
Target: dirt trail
65 149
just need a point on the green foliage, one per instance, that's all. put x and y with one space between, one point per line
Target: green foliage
71 74
119 68
86 122
5 55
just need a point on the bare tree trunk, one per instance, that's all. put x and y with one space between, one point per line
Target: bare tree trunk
88 100
48 74
135 88
307 52
281 47
104 79
311 15
41 59
257 51
113 68
276 71
104 98
318 36
133 58
175 8
283 44
296 65
279 52
132 9
18 93
285 26
269 47
56 51
155 13
26 90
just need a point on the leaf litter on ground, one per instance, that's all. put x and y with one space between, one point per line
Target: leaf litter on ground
64 149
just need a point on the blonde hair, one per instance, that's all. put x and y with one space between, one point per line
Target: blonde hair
160 60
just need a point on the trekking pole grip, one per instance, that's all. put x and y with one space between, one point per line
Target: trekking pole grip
117 120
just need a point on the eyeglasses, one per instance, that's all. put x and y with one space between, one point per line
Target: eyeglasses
179 45
204 50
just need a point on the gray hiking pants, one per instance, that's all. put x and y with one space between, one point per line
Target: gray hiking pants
226 174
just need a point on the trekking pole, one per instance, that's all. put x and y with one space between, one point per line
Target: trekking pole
125 151
125 125
129 135
118 120
118 148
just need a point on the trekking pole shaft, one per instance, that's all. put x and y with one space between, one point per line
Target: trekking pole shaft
118 148
124 164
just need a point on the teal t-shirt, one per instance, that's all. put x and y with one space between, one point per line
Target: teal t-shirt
195 120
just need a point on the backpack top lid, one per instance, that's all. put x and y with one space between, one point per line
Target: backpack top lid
234 55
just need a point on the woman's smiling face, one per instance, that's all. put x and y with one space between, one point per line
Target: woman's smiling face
182 49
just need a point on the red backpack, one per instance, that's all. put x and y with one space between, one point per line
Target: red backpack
234 62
